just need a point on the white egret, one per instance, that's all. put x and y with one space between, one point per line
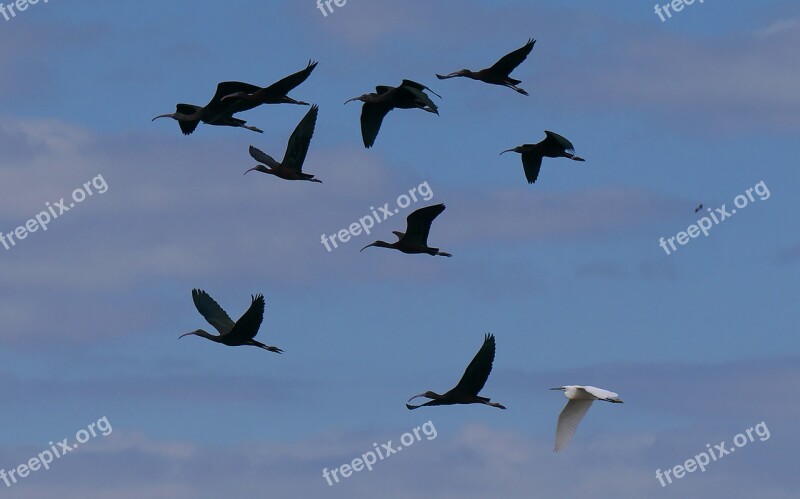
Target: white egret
580 399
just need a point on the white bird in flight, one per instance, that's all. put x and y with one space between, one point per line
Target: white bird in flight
580 399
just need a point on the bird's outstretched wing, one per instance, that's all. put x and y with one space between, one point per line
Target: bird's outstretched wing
300 140
508 62
372 115
187 127
420 96
217 108
568 421
531 163
478 370
212 312
600 393
262 157
285 85
247 325
556 139
418 86
418 223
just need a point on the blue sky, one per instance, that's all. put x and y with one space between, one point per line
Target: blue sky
568 274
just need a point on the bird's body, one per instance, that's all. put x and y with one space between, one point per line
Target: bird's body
580 400
553 146
291 168
699 207
415 239
233 334
409 95
471 383
277 93
499 73
216 112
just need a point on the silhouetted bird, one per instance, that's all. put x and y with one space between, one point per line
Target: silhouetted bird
499 73
466 391
277 92
415 239
291 168
409 95
232 334
216 112
553 146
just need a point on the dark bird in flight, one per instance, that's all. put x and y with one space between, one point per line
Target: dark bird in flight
232 334
699 207
466 391
553 146
499 73
415 240
277 93
216 112
291 168
409 95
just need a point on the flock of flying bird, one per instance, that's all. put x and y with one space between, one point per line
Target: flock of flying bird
234 97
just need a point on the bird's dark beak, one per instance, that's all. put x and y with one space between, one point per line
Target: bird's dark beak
186 334
559 388
417 396
367 246
447 76
162 116
229 96
351 100
251 169
507 150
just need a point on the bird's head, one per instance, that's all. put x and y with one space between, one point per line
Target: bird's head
196 332
258 168
170 115
515 149
362 98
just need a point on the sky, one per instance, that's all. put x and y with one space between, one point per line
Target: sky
568 273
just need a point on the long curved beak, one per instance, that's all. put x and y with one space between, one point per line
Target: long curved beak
351 100
421 395
507 150
186 334
251 169
445 76
367 246
559 388
230 96
162 116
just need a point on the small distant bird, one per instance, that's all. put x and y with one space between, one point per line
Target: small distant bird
580 399
466 391
415 239
277 92
216 112
553 146
291 168
499 73
232 334
409 95
699 207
